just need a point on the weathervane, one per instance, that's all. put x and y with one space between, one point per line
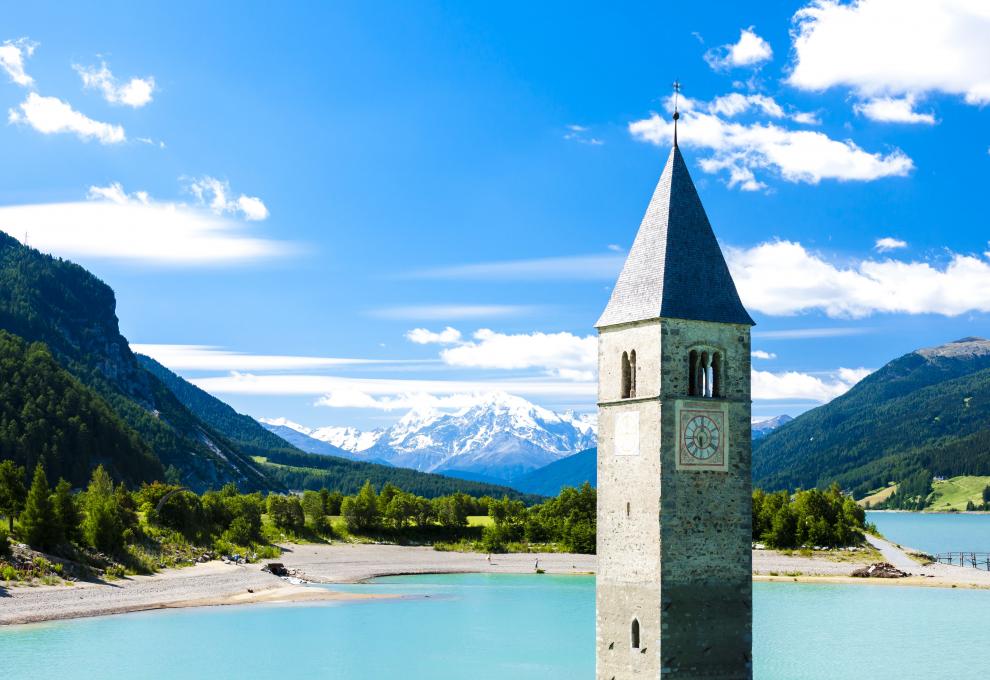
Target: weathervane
677 116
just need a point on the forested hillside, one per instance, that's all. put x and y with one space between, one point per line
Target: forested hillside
47 413
49 300
926 413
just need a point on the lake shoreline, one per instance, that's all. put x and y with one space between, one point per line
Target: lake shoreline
217 584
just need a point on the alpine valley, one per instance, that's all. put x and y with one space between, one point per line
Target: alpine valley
497 437
75 393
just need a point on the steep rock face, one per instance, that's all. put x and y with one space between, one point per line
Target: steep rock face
50 300
497 436
927 410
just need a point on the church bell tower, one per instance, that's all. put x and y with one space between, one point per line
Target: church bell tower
674 586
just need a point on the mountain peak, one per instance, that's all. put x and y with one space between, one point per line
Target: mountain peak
958 349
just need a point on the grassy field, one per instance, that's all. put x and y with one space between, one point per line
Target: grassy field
878 496
953 494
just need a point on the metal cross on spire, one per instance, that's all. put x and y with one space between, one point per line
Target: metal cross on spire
677 115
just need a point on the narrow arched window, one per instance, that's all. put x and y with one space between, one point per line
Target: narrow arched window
632 373
717 375
626 376
693 373
628 508
706 384
634 634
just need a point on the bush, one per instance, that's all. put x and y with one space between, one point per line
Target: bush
4 543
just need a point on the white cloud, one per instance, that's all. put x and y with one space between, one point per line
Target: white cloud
210 358
796 385
50 115
893 110
578 267
446 312
893 48
735 103
742 148
750 50
216 193
12 55
563 355
135 93
783 278
422 336
132 226
888 243
761 354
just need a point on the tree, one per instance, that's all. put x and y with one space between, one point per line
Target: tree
103 526
13 493
286 512
39 527
312 506
400 510
361 511
986 497
66 511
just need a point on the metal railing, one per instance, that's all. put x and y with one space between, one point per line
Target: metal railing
974 560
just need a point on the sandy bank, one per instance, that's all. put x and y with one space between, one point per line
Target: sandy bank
215 584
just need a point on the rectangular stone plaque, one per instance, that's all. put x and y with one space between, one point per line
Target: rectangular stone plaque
627 433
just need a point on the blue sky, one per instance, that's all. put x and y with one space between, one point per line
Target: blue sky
281 197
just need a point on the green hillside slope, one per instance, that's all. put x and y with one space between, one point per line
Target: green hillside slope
926 412
49 300
574 471
46 412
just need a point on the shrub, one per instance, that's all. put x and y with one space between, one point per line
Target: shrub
286 512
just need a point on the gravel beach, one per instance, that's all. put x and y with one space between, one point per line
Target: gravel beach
215 583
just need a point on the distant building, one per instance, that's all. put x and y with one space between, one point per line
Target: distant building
674 588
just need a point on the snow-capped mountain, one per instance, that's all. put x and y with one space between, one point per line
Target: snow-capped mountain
347 438
764 426
496 436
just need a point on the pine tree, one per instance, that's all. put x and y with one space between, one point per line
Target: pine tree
39 526
12 491
102 528
66 511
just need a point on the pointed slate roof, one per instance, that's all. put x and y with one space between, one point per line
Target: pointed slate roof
675 267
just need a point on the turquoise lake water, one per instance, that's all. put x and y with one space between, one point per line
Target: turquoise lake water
485 627
935 532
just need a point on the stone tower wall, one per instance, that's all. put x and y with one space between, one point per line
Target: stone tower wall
677 557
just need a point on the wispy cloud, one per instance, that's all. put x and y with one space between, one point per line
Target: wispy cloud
320 385
211 358
812 333
578 267
451 312
750 50
582 135
742 149
135 93
216 194
51 115
13 53
888 243
116 224
784 278
761 354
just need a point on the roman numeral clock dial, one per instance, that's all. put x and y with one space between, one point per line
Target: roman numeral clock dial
702 437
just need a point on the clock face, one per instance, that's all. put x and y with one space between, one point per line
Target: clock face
702 437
